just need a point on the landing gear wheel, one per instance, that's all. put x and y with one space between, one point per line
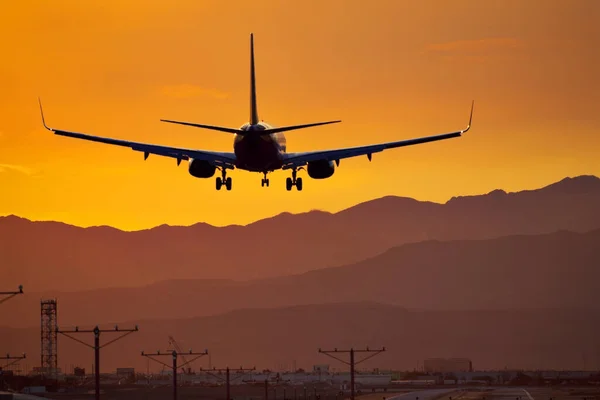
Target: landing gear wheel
223 180
265 180
293 181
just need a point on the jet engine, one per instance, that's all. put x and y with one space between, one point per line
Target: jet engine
201 169
320 169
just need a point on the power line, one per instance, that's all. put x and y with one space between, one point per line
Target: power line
174 354
97 331
352 362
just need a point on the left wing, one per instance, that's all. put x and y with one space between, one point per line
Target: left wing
226 160
294 160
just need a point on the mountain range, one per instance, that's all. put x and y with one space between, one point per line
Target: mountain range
557 270
507 279
55 256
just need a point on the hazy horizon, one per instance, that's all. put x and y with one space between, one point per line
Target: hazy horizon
332 211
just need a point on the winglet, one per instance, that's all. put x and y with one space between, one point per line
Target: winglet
42 113
470 118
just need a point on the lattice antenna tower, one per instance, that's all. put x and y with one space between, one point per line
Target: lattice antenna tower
49 324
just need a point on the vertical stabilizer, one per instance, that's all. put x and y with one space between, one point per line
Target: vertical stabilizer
253 106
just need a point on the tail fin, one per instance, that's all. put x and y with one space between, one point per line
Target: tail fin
253 106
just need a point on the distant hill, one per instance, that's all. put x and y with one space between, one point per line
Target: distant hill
559 270
550 339
56 256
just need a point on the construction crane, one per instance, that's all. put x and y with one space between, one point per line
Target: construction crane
173 342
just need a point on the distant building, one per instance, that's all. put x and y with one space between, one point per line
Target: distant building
321 368
46 371
125 372
445 365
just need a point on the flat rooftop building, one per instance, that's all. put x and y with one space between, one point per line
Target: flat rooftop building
445 365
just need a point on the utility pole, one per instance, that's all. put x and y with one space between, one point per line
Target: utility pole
10 295
174 354
97 331
267 389
352 362
179 351
227 377
276 383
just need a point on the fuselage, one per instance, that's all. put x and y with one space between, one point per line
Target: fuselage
256 152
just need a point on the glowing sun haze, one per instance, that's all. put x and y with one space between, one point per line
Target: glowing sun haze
390 70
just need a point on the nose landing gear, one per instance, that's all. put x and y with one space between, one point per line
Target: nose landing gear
265 180
223 180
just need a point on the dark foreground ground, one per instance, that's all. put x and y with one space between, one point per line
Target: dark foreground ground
297 393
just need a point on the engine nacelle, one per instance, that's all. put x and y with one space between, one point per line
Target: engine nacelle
201 169
320 169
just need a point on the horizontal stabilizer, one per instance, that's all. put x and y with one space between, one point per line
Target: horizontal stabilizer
294 127
211 127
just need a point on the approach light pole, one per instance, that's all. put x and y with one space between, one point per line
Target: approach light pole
227 376
15 359
174 354
97 331
10 295
8 357
352 362
277 381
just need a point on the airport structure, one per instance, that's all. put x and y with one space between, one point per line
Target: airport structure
49 328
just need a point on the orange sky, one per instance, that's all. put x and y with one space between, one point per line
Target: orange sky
389 69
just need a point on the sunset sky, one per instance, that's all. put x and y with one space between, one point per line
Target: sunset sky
389 69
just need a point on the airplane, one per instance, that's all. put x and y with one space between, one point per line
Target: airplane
257 147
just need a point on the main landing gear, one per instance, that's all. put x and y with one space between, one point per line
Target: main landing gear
293 181
265 180
224 180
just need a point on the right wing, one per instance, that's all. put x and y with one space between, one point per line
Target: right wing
224 159
295 160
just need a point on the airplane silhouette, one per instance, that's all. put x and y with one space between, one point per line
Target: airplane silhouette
258 147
